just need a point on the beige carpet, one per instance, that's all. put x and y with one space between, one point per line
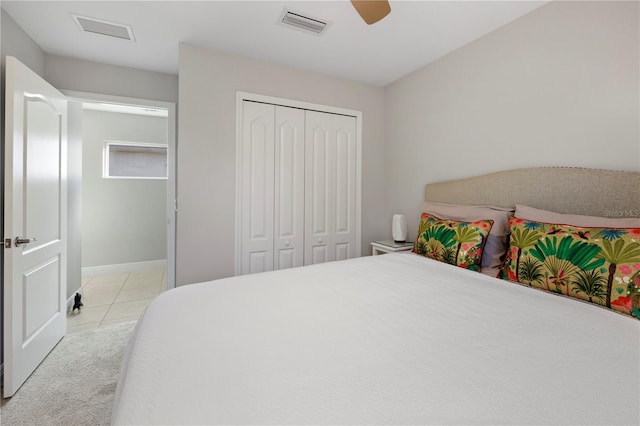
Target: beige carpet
75 384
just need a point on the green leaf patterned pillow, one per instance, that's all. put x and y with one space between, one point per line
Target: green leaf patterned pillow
451 241
598 265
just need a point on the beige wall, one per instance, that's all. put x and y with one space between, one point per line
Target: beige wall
557 87
206 150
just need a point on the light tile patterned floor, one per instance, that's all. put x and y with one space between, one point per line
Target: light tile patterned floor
113 299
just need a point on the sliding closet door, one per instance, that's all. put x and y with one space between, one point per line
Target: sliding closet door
330 187
257 198
289 188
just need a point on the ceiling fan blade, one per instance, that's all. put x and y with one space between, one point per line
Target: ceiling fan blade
372 10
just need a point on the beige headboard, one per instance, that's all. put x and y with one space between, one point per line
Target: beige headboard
564 190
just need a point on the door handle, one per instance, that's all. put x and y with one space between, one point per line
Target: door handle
20 241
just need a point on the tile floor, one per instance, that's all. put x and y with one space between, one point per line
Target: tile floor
113 299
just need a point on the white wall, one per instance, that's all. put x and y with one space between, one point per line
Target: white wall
557 87
16 42
86 76
123 220
206 150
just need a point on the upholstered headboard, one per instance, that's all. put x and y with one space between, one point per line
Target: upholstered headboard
591 192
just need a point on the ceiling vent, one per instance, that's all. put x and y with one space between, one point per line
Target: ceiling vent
303 22
98 26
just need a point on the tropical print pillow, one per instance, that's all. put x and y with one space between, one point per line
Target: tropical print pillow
451 241
598 265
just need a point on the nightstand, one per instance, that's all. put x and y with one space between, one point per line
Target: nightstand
389 246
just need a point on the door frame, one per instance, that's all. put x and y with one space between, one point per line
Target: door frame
254 97
171 202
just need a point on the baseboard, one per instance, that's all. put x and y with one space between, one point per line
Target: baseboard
121 268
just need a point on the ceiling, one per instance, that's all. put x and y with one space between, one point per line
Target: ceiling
414 34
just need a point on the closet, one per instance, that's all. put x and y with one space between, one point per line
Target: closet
297 187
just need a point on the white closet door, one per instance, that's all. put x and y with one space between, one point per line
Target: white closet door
330 187
257 187
289 188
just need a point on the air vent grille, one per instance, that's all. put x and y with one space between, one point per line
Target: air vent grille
98 26
302 22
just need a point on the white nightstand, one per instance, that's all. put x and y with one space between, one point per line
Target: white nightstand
389 246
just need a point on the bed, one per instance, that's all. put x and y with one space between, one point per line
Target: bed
394 339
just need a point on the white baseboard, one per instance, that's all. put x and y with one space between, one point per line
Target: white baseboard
121 268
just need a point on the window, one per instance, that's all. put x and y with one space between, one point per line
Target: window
133 160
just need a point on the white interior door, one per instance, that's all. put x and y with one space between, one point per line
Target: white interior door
35 208
330 181
257 187
289 188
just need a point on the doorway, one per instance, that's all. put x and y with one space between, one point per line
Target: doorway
43 153
126 199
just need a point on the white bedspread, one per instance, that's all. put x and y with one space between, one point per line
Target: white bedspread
392 339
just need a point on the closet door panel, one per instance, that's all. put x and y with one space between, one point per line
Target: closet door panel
331 187
289 187
259 261
285 258
319 254
258 187
343 183
319 173
344 232
318 184
343 250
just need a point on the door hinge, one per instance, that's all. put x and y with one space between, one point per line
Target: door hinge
7 243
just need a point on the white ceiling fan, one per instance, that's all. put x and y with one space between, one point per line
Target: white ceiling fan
372 11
